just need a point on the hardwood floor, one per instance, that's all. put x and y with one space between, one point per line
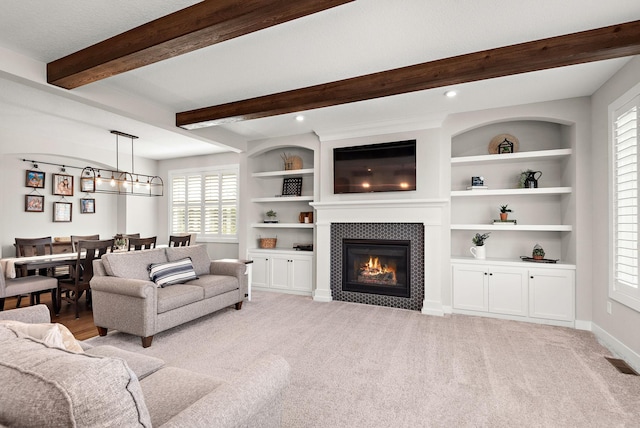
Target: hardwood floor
82 328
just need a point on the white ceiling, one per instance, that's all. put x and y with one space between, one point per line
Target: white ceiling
357 38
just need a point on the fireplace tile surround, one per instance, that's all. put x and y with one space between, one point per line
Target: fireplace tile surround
427 214
413 232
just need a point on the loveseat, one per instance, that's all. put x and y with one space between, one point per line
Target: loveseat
126 299
49 386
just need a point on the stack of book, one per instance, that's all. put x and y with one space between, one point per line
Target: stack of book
505 222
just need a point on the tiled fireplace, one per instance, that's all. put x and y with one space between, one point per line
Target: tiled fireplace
378 263
418 222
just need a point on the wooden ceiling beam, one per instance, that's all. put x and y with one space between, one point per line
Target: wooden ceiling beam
198 26
587 46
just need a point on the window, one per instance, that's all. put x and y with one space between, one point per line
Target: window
624 229
205 202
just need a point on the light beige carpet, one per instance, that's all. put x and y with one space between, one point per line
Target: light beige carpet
357 365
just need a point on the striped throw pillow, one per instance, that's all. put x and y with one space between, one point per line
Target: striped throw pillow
177 272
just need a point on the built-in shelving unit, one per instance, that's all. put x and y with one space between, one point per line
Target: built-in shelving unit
503 285
277 174
543 214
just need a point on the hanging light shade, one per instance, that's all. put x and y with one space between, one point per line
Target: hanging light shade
123 182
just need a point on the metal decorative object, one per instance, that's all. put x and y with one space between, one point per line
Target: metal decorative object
505 147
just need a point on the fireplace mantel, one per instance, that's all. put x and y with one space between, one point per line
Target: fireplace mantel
430 212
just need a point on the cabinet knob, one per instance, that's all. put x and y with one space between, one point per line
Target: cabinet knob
485 273
532 277
491 274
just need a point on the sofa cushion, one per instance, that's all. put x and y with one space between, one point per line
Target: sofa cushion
177 296
197 253
56 334
214 285
132 264
169 273
50 387
141 365
187 387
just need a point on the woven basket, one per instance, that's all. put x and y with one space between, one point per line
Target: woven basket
267 242
292 162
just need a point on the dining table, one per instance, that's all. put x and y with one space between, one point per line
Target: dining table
14 267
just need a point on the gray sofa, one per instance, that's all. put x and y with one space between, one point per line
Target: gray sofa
46 386
124 298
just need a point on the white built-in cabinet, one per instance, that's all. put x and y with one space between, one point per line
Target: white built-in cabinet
281 268
520 292
287 271
503 285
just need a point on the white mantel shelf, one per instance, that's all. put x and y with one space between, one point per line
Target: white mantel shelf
388 203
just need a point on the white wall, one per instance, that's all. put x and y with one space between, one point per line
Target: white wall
620 328
216 250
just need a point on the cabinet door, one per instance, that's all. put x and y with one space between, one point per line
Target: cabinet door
301 274
508 290
470 287
551 294
280 271
260 270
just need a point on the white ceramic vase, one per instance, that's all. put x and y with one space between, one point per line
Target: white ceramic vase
479 252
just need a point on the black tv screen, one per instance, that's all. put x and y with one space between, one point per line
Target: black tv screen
386 167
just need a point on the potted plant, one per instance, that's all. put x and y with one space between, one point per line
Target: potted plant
504 212
271 217
538 252
478 240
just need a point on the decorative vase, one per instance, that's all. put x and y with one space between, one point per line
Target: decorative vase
478 252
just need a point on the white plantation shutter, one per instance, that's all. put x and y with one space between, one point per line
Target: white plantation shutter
205 203
625 204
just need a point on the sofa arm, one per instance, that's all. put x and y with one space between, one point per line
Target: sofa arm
253 400
237 269
31 314
124 286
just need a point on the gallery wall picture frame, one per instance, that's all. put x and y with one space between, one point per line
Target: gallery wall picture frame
88 206
63 184
62 211
35 179
34 203
87 185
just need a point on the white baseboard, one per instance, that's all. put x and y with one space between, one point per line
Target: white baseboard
618 348
584 325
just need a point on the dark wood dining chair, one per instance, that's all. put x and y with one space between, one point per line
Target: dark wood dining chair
71 289
179 240
76 238
26 247
142 243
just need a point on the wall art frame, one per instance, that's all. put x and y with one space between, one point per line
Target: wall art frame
88 206
63 184
87 185
35 179
62 212
34 203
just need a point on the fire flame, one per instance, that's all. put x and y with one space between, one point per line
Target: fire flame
373 268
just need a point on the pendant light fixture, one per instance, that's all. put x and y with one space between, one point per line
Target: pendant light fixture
123 182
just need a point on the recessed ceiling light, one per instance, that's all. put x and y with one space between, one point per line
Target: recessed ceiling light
451 94
300 118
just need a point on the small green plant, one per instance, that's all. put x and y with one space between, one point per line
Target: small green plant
478 240
538 251
505 209
271 213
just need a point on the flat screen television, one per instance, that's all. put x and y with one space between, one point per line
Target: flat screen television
386 167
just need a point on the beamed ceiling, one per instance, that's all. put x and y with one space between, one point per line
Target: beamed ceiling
348 65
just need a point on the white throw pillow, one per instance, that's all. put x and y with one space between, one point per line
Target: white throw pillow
52 334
